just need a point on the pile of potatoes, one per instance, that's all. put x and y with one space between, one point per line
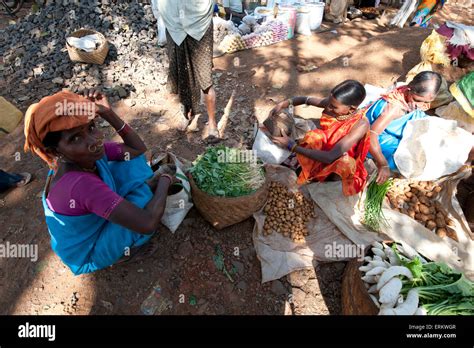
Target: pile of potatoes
287 213
418 200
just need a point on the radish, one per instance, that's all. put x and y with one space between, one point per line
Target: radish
390 291
366 268
410 306
374 299
383 264
376 271
367 258
372 289
420 311
378 252
393 272
369 279
387 311
377 245
377 258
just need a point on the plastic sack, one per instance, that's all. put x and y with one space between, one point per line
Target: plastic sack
159 23
10 116
267 151
431 148
303 24
433 50
179 204
454 111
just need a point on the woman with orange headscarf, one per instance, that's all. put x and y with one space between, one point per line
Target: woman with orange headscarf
97 202
339 147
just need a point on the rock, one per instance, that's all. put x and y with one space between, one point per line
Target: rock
185 249
239 266
58 80
298 297
249 253
242 285
121 92
278 288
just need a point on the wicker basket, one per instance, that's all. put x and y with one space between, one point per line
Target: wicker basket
95 57
355 298
222 212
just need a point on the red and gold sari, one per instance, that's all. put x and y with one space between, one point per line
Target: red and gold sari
350 166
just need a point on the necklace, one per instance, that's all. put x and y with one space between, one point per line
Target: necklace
92 170
344 117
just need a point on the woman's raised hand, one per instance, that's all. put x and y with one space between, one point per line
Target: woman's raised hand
99 99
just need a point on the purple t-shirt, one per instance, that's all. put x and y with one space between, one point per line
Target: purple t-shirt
81 193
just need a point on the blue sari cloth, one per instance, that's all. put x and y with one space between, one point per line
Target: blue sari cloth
390 138
87 243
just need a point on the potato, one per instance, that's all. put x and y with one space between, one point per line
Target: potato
424 209
450 222
440 222
437 189
409 194
441 232
424 217
429 194
414 199
411 213
430 224
414 191
418 216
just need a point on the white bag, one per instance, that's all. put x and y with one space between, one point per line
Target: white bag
303 24
431 148
179 204
159 23
267 151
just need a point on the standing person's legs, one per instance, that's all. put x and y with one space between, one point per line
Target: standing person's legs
210 98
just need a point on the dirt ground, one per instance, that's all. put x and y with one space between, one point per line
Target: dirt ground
183 267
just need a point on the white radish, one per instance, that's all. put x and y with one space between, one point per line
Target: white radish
390 291
374 300
367 258
376 271
388 264
377 245
369 279
366 268
410 306
372 289
393 272
420 311
390 304
367 286
378 252
377 258
379 264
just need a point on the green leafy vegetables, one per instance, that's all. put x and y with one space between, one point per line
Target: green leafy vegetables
441 290
229 172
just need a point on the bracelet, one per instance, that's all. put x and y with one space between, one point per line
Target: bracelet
306 101
293 148
290 145
123 132
371 131
121 128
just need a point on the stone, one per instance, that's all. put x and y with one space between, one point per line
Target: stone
121 92
185 249
242 285
278 288
239 266
58 80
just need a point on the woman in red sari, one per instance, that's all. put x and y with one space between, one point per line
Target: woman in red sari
341 142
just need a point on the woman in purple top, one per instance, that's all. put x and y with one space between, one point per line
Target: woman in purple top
99 200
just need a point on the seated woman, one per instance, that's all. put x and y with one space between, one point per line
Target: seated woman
97 202
341 143
389 115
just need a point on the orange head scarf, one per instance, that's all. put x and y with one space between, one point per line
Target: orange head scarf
399 98
61 111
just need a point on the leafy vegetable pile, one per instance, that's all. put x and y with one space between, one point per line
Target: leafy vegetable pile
219 172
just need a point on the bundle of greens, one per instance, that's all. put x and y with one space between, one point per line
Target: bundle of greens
228 172
441 290
373 215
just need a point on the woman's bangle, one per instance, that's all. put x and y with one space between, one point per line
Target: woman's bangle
121 128
306 101
124 130
293 148
290 145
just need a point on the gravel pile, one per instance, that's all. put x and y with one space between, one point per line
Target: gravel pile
36 63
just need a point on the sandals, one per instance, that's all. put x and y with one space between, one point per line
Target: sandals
26 179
